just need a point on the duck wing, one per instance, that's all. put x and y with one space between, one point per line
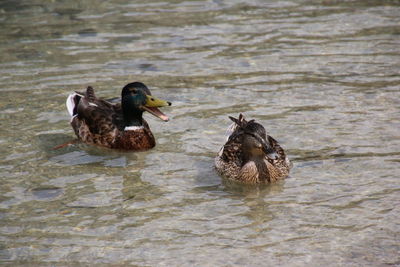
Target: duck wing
275 146
232 151
100 116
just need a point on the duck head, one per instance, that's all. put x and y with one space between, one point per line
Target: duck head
135 99
254 142
254 147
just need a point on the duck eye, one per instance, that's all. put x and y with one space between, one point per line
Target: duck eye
152 99
133 91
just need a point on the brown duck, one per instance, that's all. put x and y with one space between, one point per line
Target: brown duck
250 155
120 125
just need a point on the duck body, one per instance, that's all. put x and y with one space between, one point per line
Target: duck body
115 125
251 156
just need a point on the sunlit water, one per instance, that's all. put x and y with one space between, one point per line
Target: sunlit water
321 76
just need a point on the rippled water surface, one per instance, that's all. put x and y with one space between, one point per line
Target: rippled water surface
321 76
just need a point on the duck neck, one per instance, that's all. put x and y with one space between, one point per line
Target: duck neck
133 119
261 166
132 115
263 174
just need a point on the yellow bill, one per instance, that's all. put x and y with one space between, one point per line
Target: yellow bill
152 105
153 102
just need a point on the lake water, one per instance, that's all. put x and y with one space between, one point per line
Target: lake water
321 76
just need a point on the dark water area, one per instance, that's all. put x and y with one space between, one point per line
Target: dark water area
321 76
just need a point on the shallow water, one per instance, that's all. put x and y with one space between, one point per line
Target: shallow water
321 76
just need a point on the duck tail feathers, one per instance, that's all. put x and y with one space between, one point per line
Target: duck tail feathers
90 94
72 103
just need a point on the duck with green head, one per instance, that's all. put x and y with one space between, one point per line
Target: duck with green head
250 155
121 126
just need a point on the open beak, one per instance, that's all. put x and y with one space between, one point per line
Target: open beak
152 105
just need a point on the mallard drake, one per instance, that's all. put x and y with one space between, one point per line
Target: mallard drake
250 155
120 125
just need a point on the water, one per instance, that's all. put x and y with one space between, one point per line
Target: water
321 76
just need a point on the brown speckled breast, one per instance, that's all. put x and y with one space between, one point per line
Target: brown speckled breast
140 139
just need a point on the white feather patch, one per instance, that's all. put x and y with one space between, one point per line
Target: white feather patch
230 130
92 104
72 118
220 152
133 128
71 104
